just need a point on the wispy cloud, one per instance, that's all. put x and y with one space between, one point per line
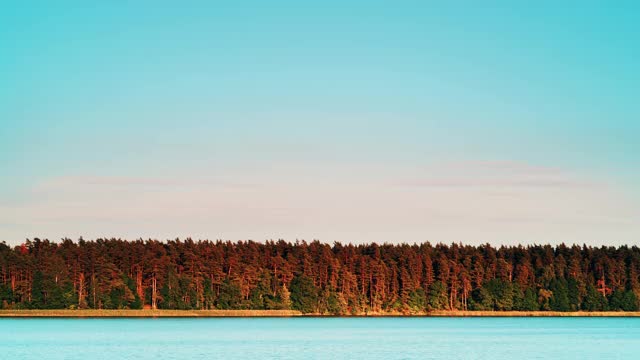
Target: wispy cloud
139 182
441 202
494 174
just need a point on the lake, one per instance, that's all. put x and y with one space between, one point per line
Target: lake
321 338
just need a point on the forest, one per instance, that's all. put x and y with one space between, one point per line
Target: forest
315 277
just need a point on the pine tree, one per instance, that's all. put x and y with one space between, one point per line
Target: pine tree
438 299
37 291
304 294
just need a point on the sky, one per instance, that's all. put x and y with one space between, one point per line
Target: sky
353 121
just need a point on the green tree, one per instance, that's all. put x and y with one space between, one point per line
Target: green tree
6 296
133 300
261 295
529 301
629 301
55 297
559 300
417 300
304 294
208 295
518 296
170 291
37 291
593 300
574 294
623 300
336 304
502 294
495 294
438 296
481 300
230 296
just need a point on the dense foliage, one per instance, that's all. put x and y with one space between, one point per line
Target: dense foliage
316 277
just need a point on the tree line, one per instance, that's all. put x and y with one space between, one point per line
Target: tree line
316 277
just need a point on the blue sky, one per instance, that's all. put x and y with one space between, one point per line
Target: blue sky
351 121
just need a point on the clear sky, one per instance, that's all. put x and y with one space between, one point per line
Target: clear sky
353 121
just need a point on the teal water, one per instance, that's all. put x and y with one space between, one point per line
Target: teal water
321 338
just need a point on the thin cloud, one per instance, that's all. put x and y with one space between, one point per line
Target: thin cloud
130 181
495 174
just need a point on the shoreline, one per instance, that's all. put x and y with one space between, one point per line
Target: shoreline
91 313
290 313
535 314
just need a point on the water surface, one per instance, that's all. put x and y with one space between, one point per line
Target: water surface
321 338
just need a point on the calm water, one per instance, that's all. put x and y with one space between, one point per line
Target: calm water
321 338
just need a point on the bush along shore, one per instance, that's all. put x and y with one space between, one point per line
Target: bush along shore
93 313
278 277
148 313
